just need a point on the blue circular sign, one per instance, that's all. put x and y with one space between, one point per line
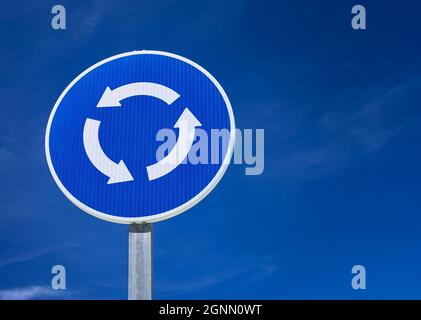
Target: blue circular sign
101 140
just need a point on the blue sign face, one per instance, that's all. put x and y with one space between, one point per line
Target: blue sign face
101 139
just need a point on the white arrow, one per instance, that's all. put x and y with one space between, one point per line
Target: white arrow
112 98
117 172
186 125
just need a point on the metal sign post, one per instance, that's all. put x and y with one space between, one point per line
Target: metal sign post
140 261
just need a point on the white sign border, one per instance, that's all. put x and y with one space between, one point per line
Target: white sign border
160 216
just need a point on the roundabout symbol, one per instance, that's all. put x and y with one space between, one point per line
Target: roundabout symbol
118 172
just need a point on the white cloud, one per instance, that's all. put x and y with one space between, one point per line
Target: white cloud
33 254
341 132
5 156
214 279
90 16
27 293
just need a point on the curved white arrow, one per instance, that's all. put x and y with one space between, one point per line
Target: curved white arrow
112 98
186 125
117 172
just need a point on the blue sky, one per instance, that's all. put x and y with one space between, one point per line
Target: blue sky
341 113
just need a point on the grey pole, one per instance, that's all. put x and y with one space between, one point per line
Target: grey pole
140 261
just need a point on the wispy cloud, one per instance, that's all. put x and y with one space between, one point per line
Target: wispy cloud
89 17
328 142
33 254
253 271
5 156
28 293
209 270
